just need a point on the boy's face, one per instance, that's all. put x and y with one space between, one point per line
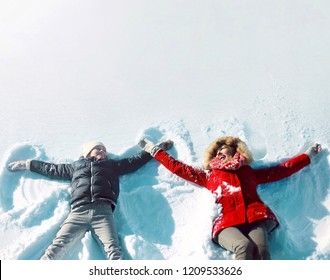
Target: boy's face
99 152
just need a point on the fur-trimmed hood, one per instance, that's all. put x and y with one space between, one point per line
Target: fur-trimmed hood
235 142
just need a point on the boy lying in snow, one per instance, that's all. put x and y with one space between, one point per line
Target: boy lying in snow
94 193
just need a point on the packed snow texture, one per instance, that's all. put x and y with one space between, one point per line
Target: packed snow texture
189 71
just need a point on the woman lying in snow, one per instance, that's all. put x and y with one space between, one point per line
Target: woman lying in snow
244 221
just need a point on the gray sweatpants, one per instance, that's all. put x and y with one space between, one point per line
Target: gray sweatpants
96 217
248 241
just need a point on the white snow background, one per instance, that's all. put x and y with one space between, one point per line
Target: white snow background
190 71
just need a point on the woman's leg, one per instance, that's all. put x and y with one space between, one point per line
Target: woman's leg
258 233
234 240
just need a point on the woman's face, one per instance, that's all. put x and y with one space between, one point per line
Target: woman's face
99 152
225 153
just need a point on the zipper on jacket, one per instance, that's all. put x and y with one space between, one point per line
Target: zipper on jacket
92 183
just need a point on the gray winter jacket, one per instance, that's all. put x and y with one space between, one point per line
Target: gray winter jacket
92 179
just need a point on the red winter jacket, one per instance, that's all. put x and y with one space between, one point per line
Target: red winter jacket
236 190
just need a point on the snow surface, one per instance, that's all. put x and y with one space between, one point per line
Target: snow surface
190 71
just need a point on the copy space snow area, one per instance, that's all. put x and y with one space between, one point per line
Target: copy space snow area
189 71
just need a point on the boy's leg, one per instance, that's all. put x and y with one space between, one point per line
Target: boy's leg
105 232
72 230
234 240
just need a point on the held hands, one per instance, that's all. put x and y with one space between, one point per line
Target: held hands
313 151
19 165
152 148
